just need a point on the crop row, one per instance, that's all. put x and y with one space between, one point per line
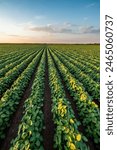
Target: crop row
11 75
83 61
30 129
88 110
91 86
86 57
12 96
14 63
84 52
66 70
67 135
11 57
87 70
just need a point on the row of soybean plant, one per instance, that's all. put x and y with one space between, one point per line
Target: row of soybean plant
67 134
88 110
90 85
11 98
82 65
30 129
10 76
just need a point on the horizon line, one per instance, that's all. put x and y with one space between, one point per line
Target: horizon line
53 43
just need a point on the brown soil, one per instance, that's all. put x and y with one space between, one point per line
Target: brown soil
97 102
11 132
48 132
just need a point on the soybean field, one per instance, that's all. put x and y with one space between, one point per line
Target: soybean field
49 97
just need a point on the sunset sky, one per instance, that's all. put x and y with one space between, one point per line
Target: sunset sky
49 21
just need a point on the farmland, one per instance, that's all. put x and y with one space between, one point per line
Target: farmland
49 97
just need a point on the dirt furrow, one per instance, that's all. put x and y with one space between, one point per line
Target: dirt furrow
48 132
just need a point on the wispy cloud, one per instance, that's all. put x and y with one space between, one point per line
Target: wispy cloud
19 37
66 29
14 35
88 29
48 28
90 5
2 33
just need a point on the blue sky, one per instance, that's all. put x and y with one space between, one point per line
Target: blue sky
51 21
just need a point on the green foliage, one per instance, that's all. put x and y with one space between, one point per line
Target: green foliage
67 127
79 68
30 129
88 110
11 97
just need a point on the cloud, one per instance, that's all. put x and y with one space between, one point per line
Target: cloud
66 28
65 32
3 33
43 29
89 29
51 29
14 35
20 37
90 5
